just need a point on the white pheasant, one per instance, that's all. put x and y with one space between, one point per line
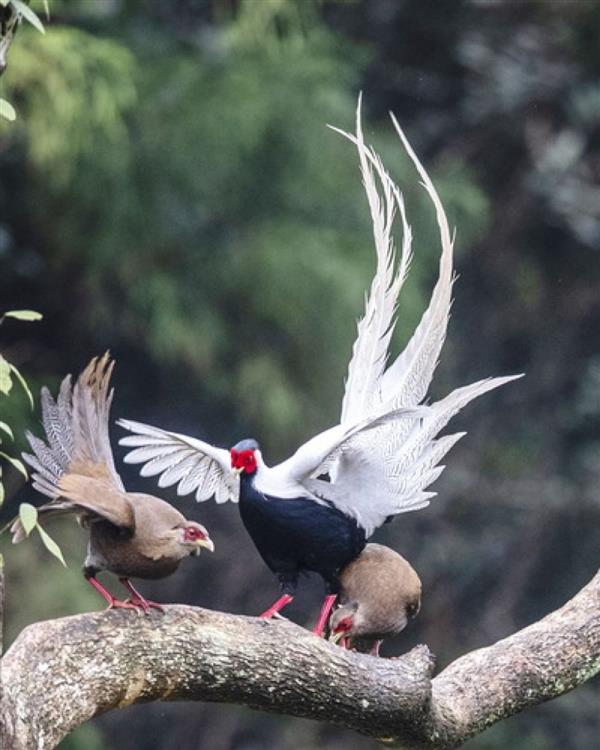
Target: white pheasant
381 457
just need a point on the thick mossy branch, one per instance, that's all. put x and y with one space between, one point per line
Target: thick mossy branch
60 673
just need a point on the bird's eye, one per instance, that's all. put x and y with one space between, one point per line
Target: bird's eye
191 534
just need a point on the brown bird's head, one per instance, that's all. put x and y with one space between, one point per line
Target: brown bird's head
245 457
380 592
194 537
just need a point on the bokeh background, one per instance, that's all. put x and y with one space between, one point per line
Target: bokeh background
170 191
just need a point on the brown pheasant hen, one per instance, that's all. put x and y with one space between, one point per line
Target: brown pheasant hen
132 535
380 592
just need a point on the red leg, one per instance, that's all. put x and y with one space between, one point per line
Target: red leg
282 602
112 602
324 615
137 599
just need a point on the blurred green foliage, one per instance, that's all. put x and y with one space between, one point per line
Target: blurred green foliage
13 14
170 191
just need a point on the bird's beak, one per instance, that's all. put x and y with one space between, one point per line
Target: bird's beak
237 470
336 637
207 543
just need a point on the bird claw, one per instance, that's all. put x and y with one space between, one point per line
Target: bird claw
145 605
117 604
137 600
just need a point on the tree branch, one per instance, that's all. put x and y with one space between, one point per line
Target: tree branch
540 662
63 672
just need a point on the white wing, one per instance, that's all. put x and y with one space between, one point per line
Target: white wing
407 380
386 470
289 476
195 465
375 329
373 485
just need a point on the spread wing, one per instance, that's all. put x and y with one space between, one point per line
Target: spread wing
98 498
76 427
407 380
75 466
310 459
375 329
386 470
85 497
195 466
375 482
90 412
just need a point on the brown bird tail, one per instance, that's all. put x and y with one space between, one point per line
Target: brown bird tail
91 410
50 461
76 427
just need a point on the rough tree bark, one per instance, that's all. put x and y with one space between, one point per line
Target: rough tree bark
63 672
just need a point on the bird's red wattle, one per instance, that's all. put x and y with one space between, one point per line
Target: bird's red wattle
245 460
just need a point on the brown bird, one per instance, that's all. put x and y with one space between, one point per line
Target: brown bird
132 535
380 592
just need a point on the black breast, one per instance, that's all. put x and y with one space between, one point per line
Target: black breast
299 534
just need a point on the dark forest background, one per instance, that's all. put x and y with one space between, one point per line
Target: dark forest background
170 191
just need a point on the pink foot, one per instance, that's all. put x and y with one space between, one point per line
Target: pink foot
113 603
137 600
324 615
282 602
117 604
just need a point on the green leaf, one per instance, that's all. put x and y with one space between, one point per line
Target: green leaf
1 493
5 428
27 13
19 466
51 545
5 378
21 380
23 315
7 110
28 516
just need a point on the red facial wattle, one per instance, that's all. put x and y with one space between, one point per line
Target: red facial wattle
344 626
244 460
192 534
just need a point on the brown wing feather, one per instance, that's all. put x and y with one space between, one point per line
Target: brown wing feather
84 496
90 414
99 497
76 465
